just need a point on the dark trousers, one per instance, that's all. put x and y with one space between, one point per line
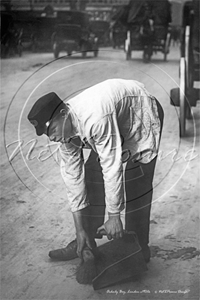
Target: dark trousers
139 191
138 188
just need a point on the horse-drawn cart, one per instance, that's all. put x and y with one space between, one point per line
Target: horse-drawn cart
186 95
148 28
157 40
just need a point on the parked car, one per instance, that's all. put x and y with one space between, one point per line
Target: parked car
70 38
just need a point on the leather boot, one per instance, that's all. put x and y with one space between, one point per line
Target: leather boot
67 253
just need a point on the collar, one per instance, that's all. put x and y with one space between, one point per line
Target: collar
76 127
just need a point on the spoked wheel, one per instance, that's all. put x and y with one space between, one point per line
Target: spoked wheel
128 53
188 69
55 50
19 50
185 83
128 46
166 47
147 53
96 53
187 36
182 96
84 50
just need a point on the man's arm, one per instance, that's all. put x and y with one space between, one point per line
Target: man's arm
73 174
72 171
81 225
108 144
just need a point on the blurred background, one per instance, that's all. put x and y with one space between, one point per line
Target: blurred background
29 25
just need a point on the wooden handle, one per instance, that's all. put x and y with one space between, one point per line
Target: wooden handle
103 232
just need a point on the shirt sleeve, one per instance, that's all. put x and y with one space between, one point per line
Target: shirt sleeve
73 174
107 142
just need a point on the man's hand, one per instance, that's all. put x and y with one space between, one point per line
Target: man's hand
81 224
113 227
82 242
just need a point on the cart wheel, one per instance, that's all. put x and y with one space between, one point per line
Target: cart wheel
165 56
187 36
128 53
34 48
147 53
166 49
96 53
19 50
83 50
55 50
84 53
182 96
146 57
127 48
188 112
188 69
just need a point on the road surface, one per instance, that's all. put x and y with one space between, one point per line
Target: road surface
35 215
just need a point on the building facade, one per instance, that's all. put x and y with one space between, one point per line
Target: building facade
98 9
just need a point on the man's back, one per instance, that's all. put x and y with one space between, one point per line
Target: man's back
117 108
103 98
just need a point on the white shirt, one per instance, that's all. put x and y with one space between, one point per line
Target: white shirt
114 117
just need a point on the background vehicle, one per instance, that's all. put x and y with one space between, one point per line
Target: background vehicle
73 33
24 23
101 29
119 26
73 17
26 30
147 24
72 38
118 34
11 43
186 95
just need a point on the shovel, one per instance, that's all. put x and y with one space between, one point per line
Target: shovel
118 260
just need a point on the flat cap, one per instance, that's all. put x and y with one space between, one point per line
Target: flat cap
44 109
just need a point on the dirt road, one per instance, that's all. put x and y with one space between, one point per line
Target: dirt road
35 215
